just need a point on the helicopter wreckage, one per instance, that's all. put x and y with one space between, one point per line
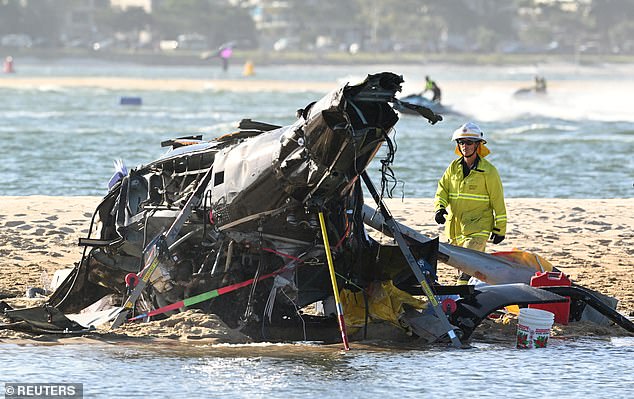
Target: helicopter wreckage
239 226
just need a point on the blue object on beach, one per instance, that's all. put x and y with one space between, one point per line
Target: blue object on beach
130 101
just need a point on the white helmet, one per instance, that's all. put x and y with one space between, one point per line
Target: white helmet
469 131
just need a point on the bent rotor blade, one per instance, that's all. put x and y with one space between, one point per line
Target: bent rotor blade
425 112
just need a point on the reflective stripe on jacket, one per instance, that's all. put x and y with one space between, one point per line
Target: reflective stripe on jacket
475 203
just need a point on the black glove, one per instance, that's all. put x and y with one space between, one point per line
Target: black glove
497 238
440 216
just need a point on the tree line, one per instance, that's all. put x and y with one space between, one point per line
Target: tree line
380 25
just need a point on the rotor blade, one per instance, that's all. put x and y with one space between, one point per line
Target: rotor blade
425 112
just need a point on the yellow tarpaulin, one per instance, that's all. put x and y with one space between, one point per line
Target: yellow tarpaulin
385 302
527 258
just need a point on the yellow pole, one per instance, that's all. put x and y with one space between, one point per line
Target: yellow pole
333 279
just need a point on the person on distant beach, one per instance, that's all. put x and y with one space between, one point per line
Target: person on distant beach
540 84
225 52
471 189
430 85
7 66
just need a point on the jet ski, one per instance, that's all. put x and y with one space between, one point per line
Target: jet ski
529 92
537 90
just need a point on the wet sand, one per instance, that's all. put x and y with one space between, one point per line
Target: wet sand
591 240
114 83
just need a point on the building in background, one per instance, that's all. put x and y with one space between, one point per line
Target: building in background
146 5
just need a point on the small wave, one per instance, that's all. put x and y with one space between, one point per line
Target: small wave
31 114
52 89
538 127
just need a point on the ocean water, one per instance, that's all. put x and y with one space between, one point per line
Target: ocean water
575 142
565 369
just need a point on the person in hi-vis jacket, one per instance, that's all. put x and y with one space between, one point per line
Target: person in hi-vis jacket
470 195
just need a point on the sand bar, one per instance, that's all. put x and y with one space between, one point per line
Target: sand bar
591 240
238 85
254 84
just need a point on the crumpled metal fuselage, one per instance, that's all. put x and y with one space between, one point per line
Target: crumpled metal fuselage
237 219
258 213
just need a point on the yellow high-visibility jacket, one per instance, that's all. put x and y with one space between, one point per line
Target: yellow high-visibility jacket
475 203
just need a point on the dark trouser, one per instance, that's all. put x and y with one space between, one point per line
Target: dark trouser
436 97
476 243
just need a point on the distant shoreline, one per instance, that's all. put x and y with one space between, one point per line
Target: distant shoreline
255 84
119 83
260 57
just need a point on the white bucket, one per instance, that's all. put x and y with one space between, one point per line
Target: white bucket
533 328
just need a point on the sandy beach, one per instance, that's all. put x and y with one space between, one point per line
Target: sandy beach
591 240
250 84
118 83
